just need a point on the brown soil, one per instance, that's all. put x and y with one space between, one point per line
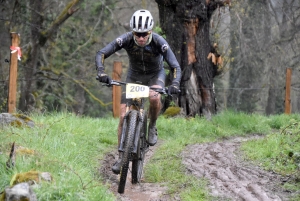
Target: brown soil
230 178
139 192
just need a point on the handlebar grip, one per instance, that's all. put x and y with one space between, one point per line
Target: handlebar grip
113 82
166 89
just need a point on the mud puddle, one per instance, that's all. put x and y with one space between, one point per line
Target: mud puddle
230 178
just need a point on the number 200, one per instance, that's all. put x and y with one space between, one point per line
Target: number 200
137 88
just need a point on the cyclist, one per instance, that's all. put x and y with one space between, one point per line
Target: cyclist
146 51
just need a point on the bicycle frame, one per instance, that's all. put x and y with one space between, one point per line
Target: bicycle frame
133 143
134 104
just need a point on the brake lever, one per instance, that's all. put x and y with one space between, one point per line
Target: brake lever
114 83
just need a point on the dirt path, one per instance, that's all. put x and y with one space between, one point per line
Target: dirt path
230 177
138 192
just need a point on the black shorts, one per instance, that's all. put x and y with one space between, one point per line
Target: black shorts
149 79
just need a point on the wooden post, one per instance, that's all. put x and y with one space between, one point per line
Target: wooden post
117 90
13 70
288 91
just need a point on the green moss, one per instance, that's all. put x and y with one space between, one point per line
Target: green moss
2 196
25 177
171 111
23 117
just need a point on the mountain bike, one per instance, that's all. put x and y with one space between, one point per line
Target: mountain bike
133 143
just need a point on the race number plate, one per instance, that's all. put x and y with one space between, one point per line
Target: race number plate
136 91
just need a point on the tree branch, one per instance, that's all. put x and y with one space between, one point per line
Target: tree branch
64 15
91 34
79 83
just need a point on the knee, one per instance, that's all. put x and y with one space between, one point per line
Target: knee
154 96
154 99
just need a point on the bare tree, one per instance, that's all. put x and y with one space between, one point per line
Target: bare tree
264 42
39 36
284 52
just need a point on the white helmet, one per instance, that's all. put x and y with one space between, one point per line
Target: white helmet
141 21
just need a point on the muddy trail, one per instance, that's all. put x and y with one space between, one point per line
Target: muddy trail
229 176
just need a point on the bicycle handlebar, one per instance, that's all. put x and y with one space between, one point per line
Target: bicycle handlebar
119 83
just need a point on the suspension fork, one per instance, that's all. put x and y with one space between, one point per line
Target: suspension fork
138 131
138 127
124 128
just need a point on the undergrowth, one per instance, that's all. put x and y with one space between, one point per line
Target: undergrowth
68 147
279 151
71 148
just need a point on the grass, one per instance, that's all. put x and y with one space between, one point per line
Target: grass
71 148
279 151
67 146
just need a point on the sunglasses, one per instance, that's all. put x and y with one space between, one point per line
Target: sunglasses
143 34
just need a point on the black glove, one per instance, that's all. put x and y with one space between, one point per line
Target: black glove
104 78
173 89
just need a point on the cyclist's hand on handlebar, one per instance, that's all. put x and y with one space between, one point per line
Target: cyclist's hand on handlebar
173 89
104 78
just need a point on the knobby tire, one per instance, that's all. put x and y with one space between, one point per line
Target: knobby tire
130 132
138 161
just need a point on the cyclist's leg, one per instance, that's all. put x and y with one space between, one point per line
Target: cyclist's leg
154 110
157 81
155 105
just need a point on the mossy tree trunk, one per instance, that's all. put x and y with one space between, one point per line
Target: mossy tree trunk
186 25
39 36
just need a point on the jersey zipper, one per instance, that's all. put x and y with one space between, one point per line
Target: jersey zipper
143 60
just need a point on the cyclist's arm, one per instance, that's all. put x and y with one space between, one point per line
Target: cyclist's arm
170 58
109 49
175 68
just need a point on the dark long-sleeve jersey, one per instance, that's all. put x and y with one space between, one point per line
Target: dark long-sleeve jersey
147 59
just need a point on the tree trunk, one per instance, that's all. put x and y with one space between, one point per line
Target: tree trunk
186 25
30 66
39 37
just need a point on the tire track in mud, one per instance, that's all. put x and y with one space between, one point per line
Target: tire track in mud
229 177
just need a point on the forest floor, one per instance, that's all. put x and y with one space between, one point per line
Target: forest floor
230 177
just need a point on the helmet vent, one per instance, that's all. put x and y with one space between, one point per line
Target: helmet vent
133 23
146 23
140 22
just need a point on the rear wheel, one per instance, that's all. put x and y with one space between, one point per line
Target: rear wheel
138 161
130 131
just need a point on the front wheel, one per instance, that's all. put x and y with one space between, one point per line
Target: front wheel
128 146
138 161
